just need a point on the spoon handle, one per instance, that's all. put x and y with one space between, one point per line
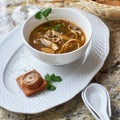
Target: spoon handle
105 117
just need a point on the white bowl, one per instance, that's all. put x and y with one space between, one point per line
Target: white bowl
65 14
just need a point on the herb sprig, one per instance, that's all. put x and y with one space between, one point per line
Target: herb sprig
45 13
50 79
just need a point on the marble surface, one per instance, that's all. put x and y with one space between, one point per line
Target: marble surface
108 76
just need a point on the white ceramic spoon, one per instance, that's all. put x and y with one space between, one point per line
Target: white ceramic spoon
108 102
92 112
96 98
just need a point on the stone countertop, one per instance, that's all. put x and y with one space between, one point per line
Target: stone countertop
108 76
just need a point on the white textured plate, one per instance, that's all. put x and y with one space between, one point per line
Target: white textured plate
16 59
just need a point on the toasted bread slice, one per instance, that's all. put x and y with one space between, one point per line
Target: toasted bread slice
31 82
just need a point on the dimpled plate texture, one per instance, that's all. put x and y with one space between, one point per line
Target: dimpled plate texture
15 59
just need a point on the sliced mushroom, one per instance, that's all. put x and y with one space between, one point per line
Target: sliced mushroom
49 33
49 44
48 50
55 39
36 41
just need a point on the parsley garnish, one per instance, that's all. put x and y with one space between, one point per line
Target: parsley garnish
50 79
44 13
57 26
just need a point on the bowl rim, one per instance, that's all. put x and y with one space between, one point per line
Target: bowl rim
62 54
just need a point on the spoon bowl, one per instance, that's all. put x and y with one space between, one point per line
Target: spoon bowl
91 110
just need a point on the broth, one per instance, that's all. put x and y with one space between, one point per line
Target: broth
66 38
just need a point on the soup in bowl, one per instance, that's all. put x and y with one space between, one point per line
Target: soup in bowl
57 39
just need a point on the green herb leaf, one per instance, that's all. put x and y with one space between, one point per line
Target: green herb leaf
57 79
52 78
57 26
50 87
46 12
38 15
47 78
